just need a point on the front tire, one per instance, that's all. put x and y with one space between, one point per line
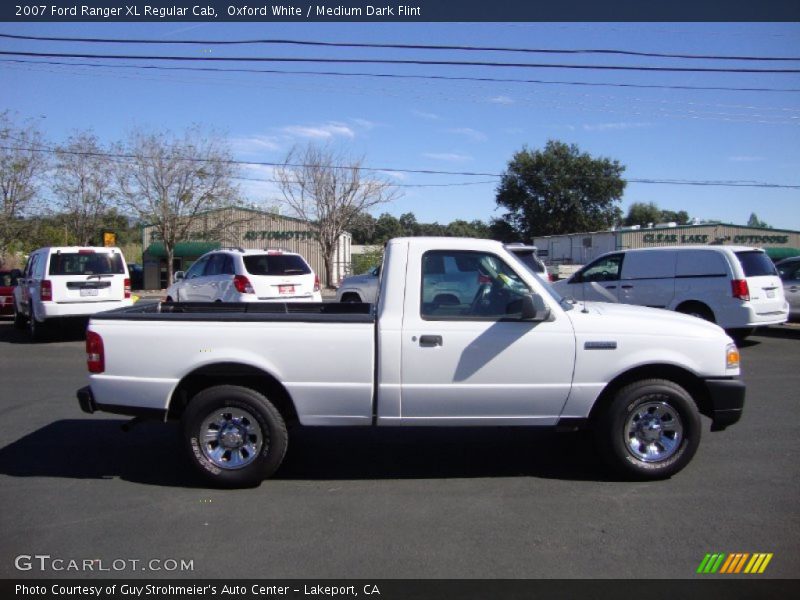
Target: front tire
235 437
651 430
19 318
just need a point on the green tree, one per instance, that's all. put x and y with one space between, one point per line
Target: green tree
386 228
362 228
754 221
560 190
640 213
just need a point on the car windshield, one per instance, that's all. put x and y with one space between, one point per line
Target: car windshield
276 264
756 264
86 263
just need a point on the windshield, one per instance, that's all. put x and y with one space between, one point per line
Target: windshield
276 264
86 263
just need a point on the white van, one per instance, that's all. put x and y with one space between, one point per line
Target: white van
70 281
736 287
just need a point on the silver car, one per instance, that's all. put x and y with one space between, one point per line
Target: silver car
360 288
789 270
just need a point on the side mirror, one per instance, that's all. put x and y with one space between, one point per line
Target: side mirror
534 308
178 276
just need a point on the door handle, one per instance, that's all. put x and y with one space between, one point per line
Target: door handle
430 340
611 287
627 287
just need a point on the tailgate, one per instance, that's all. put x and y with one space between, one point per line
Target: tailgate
763 282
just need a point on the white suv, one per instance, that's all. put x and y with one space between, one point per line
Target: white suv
237 275
70 281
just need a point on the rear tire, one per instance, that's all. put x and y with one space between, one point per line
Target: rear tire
234 436
696 309
651 430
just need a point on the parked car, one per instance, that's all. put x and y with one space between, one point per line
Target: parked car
8 279
238 275
530 258
359 288
69 282
736 287
789 271
516 354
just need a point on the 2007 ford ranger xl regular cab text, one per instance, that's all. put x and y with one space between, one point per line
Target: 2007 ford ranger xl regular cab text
463 334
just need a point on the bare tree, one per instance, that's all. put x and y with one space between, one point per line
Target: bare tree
170 181
329 190
83 184
22 163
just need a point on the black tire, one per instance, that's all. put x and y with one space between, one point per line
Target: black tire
250 420
740 335
651 430
19 318
696 309
35 329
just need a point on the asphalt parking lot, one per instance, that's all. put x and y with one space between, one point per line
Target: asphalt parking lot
352 503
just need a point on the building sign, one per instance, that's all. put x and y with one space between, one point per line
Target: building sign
674 238
280 235
109 239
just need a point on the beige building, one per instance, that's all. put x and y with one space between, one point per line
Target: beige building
580 248
240 228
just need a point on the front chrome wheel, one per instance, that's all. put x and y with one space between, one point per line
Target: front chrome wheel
653 431
231 438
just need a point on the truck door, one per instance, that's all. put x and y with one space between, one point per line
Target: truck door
468 355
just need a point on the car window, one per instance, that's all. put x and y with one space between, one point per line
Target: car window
276 264
6 279
197 269
790 272
606 268
528 258
469 285
756 264
217 265
86 263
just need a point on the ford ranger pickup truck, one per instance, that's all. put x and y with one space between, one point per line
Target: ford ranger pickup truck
462 334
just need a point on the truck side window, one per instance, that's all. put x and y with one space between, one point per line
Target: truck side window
469 285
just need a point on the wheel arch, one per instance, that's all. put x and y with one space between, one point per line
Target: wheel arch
231 373
353 292
689 381
685 306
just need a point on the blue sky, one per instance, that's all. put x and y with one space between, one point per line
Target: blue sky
445 125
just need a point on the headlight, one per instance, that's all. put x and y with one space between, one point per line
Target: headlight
731 356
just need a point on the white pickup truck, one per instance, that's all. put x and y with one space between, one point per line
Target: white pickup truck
514 354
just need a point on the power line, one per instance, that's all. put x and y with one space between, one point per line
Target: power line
753 184
376 61
402 76
601 51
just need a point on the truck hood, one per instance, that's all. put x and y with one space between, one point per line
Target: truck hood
626 318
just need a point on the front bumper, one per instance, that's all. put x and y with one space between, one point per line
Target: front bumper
726 398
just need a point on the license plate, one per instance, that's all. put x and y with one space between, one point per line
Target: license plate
89 292
286 289
770 293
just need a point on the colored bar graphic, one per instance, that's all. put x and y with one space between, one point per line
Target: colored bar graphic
729 564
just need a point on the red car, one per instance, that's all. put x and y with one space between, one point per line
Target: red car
8 279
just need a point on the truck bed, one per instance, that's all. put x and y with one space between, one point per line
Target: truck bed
306 312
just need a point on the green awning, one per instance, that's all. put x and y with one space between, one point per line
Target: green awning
781 253
182 249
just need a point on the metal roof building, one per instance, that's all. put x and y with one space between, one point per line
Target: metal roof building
580 248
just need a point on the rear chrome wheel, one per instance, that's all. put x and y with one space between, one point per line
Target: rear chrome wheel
234 435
